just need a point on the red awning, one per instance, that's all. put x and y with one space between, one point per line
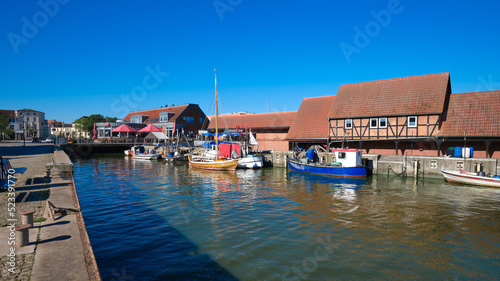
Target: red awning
124 129
149 128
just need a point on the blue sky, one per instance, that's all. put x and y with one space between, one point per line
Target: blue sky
70 58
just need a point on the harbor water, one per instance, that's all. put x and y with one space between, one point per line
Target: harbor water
151 221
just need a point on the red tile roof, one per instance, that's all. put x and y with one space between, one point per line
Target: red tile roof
476 114
423 94
155 113
11 114
311 122
254 121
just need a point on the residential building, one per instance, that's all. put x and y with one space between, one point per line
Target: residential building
172 119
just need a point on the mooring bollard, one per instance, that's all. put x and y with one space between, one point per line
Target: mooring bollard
22 235
27 217
47 173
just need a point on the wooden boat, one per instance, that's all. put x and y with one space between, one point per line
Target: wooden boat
470 178
348 165
217 163
140 153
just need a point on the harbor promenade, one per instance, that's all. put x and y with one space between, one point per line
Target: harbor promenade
58 247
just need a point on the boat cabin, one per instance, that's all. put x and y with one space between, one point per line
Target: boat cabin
348 157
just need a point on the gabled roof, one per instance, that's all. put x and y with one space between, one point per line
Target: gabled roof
475 114
254 121
10 114
423 94
155 113
311 122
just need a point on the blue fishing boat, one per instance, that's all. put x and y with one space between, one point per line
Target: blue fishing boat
348 164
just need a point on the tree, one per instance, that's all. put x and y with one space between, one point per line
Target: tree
4 124
87 124
32 131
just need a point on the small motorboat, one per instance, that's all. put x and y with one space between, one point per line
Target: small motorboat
139 152
479 178
349 164
251 161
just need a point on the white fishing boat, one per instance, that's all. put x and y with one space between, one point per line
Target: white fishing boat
471 178
140 153
251 161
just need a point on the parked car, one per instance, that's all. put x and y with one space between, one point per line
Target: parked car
35 140
49 140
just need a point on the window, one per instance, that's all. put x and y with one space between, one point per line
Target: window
34 119
348 124
136 120
412 121
201 120
382 122
27 119
188 119
341 155
164 118
373 123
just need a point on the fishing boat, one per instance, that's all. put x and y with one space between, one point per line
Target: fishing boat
139 152
217 163
464 177
348 164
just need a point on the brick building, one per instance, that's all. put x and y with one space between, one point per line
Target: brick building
269 129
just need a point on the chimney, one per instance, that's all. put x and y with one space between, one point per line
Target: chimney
172 104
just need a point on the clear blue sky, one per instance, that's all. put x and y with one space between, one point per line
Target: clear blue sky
72 58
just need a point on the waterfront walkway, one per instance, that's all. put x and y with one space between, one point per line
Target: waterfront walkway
58 249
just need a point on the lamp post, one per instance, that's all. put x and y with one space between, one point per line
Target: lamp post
24 133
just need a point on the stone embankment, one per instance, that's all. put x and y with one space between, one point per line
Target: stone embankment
58 247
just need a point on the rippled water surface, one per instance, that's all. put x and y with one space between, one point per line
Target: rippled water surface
151 221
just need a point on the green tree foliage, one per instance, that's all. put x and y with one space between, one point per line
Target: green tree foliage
87 124
4 126
32 131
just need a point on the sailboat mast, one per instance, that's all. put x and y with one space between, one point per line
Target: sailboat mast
216 121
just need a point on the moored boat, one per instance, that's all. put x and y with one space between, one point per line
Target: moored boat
470 178
139 152
220 164
251 161
348 165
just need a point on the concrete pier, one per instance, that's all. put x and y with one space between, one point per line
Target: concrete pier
53 249
397 164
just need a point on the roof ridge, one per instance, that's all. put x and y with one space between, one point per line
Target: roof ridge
398 78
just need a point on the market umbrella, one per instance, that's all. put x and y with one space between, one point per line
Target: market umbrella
149 128
95 132
124 129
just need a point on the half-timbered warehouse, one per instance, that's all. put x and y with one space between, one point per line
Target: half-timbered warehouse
391 116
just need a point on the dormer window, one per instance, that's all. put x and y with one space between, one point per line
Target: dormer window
412 121
348 124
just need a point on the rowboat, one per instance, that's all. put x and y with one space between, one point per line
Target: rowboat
348 164
470 178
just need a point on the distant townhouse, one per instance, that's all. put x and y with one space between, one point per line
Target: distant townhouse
60 129
269 129
27 119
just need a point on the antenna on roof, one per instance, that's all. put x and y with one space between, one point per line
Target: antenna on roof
267 106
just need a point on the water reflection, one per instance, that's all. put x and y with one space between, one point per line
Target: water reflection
271 224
